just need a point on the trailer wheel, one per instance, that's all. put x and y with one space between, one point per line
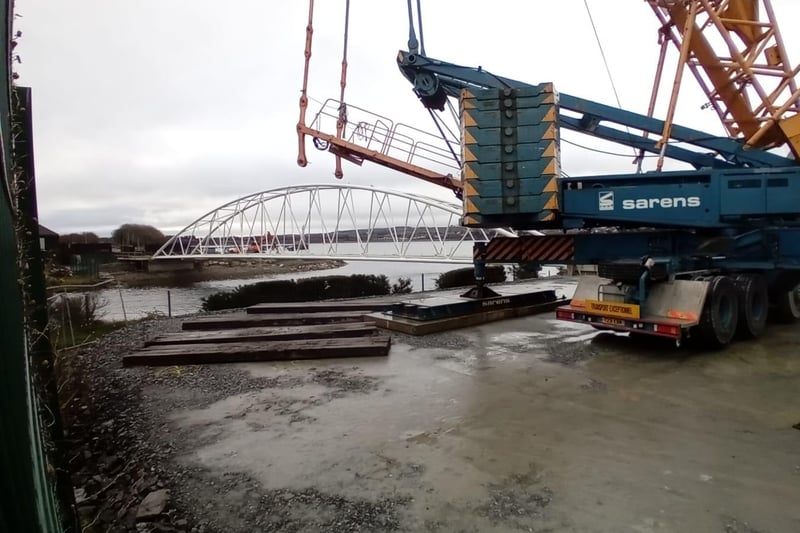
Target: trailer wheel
720 313
753 305
787 305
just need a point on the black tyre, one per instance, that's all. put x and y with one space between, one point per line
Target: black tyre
720 313
786 305
753 305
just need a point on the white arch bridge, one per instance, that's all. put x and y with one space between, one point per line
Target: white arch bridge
330 221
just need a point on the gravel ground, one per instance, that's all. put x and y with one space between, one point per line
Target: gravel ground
122 446
115 461
522 426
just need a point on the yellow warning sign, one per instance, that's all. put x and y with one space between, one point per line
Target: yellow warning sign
614 309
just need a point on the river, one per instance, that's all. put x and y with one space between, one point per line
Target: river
133 303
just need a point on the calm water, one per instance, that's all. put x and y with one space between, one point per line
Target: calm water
140 302
137 303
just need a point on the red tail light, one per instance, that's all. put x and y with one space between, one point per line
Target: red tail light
672 331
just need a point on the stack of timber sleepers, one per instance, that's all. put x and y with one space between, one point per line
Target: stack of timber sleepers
322 307
274 335
243 320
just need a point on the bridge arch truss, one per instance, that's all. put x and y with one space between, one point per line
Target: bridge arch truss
338 221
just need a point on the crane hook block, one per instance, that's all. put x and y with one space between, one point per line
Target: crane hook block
511 157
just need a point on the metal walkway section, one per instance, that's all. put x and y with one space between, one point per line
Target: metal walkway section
327 220
367 136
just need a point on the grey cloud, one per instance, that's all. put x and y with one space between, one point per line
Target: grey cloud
153 111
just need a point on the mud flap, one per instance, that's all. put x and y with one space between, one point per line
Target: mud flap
671 306
679 299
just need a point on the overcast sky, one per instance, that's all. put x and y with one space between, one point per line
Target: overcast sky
157 111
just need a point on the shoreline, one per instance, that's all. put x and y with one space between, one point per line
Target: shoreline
210 271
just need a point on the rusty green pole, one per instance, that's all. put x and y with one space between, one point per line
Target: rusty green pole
27 488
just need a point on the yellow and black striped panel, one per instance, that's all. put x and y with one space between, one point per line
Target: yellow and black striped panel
549 248
559 248
503 249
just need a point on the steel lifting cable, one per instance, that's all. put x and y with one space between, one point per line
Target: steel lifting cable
455 118
441 132
602 53
419 20
341 122
605 62
440 124
413 45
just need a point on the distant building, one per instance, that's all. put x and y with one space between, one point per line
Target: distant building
75 253
48 239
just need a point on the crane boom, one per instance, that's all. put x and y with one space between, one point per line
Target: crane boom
738 57
434 80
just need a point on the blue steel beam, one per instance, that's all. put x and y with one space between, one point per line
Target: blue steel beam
433 80
640 142
730 149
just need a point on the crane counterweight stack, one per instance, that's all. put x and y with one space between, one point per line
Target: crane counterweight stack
510 155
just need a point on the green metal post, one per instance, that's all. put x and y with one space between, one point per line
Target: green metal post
40 350
27 503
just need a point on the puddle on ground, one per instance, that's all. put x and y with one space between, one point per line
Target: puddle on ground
529 423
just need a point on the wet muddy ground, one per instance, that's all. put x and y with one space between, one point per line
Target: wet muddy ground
523 425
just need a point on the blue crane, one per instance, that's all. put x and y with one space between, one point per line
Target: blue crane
702 252
705 253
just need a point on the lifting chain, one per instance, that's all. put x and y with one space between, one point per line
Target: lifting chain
301 151
341 122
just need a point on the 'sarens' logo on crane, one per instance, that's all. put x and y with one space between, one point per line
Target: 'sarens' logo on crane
605 202
666 203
